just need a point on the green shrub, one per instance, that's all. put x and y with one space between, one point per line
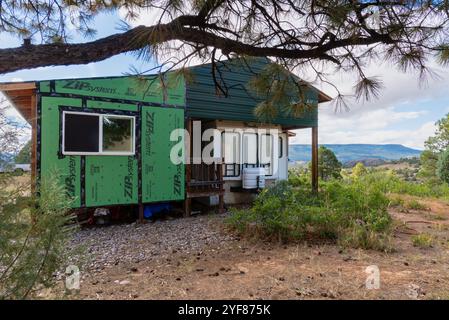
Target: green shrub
358 170
389 182
299 177
420 189
351 213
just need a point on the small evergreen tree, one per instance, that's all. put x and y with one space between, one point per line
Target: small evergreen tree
328 164
440 141
24 155
434 147
443 166
428 168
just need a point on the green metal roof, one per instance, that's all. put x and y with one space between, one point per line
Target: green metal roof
204 101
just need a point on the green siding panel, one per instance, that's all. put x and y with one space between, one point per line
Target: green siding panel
149 89
44 86
92 104
111 180
203 101
118 88
161 179
66 168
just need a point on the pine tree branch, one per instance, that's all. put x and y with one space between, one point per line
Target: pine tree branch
187 28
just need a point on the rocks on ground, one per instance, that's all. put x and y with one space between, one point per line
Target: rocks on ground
133 243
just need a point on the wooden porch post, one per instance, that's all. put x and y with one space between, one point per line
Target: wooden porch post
315 159
141 214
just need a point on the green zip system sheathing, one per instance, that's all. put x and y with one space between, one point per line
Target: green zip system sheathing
102 180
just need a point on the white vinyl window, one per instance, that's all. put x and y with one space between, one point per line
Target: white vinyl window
249 151
85 133
281 148
266 153
231 147
231 153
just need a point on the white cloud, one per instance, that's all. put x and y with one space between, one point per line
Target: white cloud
16 79
145 17
375 121
398 87
413 138
373 127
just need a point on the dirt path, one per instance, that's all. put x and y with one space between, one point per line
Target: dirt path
195 259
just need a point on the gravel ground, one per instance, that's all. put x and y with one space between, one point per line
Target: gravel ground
134 243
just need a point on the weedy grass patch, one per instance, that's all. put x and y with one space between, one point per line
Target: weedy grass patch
414 204
423 240
396 202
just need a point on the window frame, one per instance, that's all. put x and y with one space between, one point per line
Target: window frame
281 147
245 152
100 135
235 166
273 158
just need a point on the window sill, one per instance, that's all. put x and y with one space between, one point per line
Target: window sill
98 154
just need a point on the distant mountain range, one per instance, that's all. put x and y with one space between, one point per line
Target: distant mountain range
353 152
5 159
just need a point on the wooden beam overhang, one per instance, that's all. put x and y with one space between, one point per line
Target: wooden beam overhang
22 97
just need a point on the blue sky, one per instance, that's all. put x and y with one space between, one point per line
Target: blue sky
107 24
405 113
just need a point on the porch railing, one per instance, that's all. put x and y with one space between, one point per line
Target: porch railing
204 180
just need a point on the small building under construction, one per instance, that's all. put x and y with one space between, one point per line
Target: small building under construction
110 140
